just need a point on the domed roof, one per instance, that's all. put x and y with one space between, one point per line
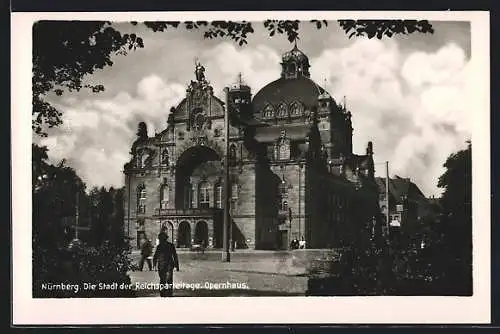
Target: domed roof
300 89
295 54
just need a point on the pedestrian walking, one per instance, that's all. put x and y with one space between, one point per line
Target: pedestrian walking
165 260
146 252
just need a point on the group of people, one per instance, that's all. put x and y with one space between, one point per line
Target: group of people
296 244
164 260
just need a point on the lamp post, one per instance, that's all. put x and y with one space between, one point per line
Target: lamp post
76 242
226 256
387 197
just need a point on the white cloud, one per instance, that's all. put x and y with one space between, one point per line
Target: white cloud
96 135
259 65
414 107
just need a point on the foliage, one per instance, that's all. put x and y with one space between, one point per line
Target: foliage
381 28
441 265
104 264
455 228
65 52
103 258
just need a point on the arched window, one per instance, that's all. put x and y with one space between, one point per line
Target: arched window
232 154
282 111
164 196
268 111
218 196
295 109
141 202
204 195
283 195
284 205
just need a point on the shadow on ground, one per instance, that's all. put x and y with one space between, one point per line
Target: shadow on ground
220 293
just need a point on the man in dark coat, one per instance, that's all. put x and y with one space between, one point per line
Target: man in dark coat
146 252
165 260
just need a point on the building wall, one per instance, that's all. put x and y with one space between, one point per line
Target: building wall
243 206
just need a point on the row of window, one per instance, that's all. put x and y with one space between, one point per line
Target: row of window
205 193
283 111
204 196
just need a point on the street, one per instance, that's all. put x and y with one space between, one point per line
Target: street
248 274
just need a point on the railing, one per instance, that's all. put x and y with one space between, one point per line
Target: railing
188 212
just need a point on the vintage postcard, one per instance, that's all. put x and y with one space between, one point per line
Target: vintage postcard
250 167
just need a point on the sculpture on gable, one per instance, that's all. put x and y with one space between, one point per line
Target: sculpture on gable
199 72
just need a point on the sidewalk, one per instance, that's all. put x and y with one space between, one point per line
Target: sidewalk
272 275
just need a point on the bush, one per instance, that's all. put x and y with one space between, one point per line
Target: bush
105 266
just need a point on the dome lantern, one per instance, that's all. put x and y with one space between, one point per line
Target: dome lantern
294 64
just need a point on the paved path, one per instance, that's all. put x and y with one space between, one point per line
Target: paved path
267 274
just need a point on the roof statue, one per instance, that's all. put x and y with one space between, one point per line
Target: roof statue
199 72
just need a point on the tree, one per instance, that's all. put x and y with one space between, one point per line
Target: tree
64 52
456 230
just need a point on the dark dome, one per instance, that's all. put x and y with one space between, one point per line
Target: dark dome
300 89
295 54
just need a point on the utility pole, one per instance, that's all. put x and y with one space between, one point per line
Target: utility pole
387 196
226 256
77 212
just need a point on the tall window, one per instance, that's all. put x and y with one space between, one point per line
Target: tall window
164 196
232 154
218 196
284 205
268 111
204 195
141 203
144 159
187 196
283 195
282 111
164 157
295 109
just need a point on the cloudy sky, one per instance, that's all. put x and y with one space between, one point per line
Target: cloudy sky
409 94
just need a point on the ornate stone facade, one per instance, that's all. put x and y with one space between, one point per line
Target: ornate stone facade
292 170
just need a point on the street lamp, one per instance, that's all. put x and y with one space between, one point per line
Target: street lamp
76 243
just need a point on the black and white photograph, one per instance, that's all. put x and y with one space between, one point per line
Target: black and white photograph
301 157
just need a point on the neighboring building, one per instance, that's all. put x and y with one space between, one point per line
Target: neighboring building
292 170
407 204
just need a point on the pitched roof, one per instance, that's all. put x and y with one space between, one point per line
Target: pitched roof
399 187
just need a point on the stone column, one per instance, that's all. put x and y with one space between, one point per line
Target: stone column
192 223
